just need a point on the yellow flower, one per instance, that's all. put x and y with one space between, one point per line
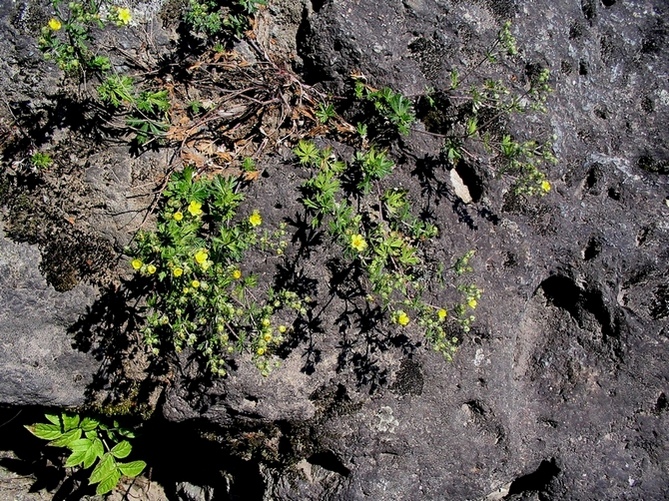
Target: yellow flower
265 322
186 290
442 314
282 329
177 272
150 269
201 256
545 186
136 264
255 218
237 274
402 318
55 24
358 242
195 284
267 337
178 216
472 302
124 15
195 208
260 351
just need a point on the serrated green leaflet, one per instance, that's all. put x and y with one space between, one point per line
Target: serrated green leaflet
54 418
76 458
132 469
82 444
66 438
105 467
45 431
88 424
90 456
122 449
108 484
70 422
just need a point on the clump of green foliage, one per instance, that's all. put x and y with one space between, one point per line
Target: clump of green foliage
147 109
394 108
385 243
91 442
209 18
480 109
66 37
41 160
203 295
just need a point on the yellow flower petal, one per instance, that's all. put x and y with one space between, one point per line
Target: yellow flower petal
177 272
195 284
178 216
442 314
237 274
136 264
545 186
150 269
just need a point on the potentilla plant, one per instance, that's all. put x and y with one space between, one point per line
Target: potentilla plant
377 231
66 38
203 296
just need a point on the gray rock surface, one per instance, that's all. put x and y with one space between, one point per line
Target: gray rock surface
38 363
560 390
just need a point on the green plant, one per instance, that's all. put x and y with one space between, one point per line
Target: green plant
481 111
117 90
67 36
396 109
325 112
208 18
387 245
41 160
91 442
203 296
149 119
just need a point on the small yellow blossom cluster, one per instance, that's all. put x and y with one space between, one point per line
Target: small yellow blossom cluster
202 259
138 265
545 186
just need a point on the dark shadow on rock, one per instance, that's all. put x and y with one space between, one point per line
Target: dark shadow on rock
538 480
108 330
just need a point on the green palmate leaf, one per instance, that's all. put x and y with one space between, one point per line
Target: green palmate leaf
132 469
45 431
104 469
66 438
91 434
121 450
107 484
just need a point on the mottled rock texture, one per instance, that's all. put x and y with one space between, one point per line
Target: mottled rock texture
559 391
